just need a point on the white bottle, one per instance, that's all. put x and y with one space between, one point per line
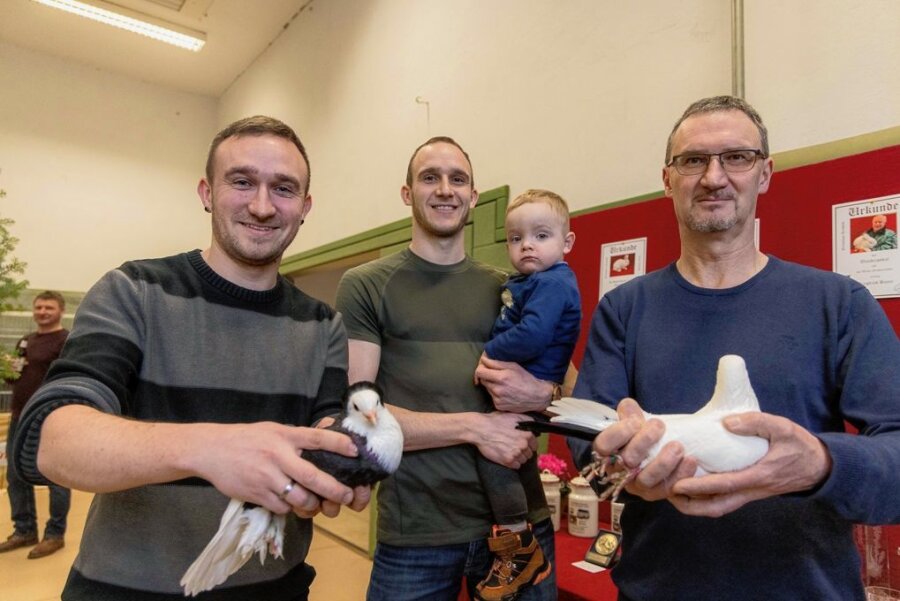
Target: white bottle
583 509
615 516
551 492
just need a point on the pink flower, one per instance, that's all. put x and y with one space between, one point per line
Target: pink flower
553 464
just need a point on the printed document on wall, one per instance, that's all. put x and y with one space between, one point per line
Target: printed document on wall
864 243
621 261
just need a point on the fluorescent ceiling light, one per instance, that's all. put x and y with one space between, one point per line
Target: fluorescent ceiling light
132 21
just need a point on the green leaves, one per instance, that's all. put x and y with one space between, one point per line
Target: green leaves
11 286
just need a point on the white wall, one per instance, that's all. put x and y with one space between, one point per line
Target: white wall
822 70
98 168
576 96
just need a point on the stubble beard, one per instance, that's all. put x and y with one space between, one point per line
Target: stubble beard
700 220
48 323
710 224
429 228
246 253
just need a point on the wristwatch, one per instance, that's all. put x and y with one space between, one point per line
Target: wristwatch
557 392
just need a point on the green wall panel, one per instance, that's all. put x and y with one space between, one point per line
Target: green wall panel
481 238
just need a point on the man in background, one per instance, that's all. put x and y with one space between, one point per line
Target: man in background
34 354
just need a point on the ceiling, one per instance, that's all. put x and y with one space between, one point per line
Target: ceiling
237 31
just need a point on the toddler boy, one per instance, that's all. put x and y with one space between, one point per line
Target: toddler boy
537 327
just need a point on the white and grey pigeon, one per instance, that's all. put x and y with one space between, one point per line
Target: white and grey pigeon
702 433
246 529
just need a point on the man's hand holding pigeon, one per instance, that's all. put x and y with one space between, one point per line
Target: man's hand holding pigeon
632 438
361 447
796 461
259 459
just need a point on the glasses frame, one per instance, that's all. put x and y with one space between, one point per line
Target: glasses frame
757 154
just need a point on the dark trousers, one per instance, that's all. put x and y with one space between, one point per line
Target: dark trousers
22 502
504 490
436 573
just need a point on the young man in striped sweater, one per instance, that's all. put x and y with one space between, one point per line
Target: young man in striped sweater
193 378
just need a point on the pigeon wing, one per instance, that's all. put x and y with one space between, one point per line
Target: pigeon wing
584 413
362 470
706 439
573 417
540 426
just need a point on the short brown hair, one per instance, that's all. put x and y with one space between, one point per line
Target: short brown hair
556 203
437 140
258 125
715 104
51 295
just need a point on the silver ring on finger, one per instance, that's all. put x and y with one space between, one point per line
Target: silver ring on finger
286 490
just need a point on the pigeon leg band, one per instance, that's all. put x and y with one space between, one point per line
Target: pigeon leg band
614 481
287 490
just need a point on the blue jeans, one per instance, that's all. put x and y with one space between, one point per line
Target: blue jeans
435 573
22 504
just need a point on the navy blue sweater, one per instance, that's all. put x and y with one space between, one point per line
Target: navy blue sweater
539 322
819 351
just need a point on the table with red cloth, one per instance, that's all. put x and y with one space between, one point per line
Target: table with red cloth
574 583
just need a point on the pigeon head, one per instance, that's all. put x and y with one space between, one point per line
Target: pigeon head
367 416
363 407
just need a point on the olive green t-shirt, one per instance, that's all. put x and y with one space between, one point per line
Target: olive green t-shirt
431 322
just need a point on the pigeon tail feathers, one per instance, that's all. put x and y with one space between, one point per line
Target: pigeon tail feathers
242 531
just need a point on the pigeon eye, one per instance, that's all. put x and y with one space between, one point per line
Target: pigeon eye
355 407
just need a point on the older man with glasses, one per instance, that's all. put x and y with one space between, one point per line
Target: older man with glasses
820 352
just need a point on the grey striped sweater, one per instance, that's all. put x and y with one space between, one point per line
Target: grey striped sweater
170 340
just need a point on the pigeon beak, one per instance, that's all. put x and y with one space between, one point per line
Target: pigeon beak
371 417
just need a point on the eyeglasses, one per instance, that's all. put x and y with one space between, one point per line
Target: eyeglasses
732 161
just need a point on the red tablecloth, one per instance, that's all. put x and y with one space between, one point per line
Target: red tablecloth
574 583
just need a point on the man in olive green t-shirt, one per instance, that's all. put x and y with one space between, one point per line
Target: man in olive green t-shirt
417 322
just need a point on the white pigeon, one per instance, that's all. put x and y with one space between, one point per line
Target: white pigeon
244 531
702 433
